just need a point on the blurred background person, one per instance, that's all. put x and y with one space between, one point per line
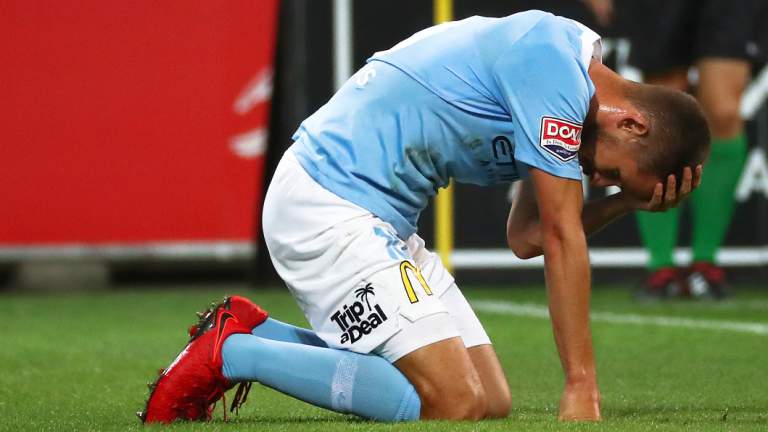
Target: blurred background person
716 39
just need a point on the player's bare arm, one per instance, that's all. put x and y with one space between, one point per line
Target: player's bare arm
568 285
524 228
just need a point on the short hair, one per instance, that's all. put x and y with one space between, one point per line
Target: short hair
678 132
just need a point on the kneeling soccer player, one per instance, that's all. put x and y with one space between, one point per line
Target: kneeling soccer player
484 101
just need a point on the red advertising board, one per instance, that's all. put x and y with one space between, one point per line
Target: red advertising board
133 122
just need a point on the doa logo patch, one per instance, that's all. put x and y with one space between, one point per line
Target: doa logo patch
562 138
359 318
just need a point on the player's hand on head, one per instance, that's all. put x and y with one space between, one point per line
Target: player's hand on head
669 195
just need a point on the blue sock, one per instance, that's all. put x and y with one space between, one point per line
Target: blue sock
342 381
278 330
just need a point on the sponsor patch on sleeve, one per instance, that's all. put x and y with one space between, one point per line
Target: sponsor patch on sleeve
562 138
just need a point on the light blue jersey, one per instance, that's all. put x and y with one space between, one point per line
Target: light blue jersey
478 100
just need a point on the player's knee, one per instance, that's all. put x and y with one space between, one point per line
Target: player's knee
474 405
469 404
498 406
463 401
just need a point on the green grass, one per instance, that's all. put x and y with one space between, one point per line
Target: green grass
81 361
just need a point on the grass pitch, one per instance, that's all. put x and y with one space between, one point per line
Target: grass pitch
81 361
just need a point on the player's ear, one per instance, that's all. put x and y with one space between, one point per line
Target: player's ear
633 123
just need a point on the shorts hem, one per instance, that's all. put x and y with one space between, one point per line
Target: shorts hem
425 331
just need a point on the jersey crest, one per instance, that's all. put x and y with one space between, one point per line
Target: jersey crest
561 138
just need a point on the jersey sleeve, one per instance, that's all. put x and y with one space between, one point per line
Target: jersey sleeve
546 89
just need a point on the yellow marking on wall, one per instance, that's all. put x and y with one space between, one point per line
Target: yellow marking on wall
444 223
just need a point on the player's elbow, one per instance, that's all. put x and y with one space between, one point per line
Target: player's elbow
523 242
522 249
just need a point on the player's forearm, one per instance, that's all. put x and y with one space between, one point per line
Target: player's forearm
600 212
568 286
524 234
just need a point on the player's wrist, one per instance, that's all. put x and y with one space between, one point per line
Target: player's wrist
627 203
580 401
581 377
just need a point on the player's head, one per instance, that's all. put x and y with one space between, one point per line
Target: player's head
655 132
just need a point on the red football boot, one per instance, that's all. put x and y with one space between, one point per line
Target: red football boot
708 281
666 282
191 385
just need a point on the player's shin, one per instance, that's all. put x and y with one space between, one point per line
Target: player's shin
280 331
342 381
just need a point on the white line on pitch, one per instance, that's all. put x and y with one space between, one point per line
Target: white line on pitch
733 304
474 259
540 311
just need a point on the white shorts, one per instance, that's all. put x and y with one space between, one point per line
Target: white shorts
360 286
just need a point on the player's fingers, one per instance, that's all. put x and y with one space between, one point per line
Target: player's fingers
671 194
685 186
655 201
697 176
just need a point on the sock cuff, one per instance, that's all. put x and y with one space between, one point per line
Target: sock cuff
727 146
410 406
